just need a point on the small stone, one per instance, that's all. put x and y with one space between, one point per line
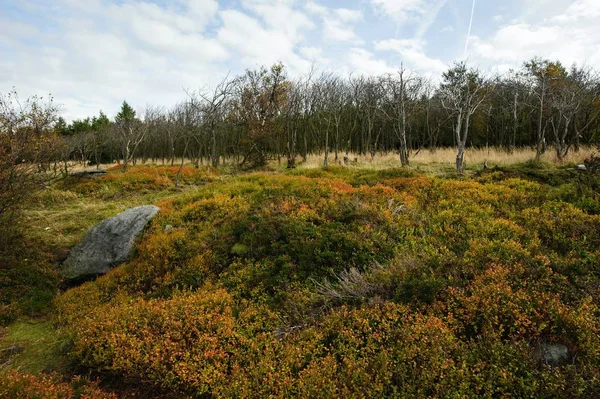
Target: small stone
581 167
7 353
553 354
168 228
89 173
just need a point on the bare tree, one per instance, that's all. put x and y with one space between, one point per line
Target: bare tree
27 143
542 73
404 89
131 133
462 92
210 103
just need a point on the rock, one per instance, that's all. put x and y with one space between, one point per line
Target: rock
7 353
581 167
107 244
90 173
553 354
168 228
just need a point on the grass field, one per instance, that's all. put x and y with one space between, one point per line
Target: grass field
440 158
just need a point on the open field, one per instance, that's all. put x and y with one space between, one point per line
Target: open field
426 160
358 281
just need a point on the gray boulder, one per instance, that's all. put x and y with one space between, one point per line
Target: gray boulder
89 173
553 354
107 244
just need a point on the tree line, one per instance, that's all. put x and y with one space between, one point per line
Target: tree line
265 115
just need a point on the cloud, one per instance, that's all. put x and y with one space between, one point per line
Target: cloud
92 55
363 62
337 22
423 13
413 55
335 30
401 10
347 15
259 45
430 17
12 31
572 36
314 54
316 9
281 17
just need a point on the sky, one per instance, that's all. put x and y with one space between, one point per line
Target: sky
91 55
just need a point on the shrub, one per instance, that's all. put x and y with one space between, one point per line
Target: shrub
351 283
15 385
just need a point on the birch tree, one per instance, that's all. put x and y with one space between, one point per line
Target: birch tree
463 90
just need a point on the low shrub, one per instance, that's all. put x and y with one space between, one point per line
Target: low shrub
15 385
334 282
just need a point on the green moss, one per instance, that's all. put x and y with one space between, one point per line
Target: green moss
40 347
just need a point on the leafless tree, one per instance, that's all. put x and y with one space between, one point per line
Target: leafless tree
463 90
211 104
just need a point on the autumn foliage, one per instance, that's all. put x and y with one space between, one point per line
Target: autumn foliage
338 283
15 385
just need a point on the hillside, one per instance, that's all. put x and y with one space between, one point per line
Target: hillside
335 282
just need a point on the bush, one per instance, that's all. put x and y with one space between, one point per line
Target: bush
322 286
15 385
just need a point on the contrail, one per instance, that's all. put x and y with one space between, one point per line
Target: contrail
470 26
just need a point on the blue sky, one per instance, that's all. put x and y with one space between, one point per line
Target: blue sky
93 54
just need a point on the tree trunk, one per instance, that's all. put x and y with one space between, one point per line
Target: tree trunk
326 160
215 156
541 132
460 158
515 123
181 165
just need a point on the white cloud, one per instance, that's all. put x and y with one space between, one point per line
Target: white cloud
572 36
314 54
315 8
92 55
202 8
534 11
347 15
257 44
421 12
337 22
429 17
15 30
335 30
413 55
401 10
363 62
281 16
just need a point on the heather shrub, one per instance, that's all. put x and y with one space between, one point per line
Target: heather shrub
329 283
15 385
137 179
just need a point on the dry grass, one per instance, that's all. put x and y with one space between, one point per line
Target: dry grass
440 160
445 158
